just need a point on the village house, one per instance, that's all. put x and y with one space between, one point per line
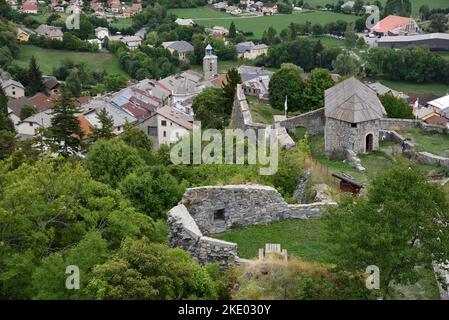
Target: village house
395 26
353 112
269 9
220 5
440 105
166 126
22 35
13 4
181 47
119 116
29 7
115 6
430 116
219 31
50 32
131 42
185 22
27 128
136 8
13 89
250 51
52 86
39 101
381 89
255 80
97 7
101 33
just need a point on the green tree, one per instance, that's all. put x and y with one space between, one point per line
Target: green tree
424 12
233 78
106 126
135 138
396 107
52 205
5 122
400 225
313 95
350 36
27 111
65 127
209 107
152 190
144 270
269 36
344 65
398 7
438 22
109 161
48 279
34 78
286 82
232 31
8 143
115 82
73 84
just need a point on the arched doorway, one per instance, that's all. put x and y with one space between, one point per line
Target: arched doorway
369 143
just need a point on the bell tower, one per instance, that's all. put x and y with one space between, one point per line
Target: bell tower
210 64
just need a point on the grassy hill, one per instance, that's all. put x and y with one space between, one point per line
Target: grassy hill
49 59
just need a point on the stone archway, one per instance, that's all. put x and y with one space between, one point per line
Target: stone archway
369 143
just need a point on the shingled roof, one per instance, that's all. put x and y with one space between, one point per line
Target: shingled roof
354 102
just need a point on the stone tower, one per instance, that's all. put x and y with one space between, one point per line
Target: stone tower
210 64
353 115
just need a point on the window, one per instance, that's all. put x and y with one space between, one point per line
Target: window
165 133
152 131
31 124
163 123
177 135
219 215
13 93
353 125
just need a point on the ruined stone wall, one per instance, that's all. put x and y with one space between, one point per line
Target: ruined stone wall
432 159
213 209
185 234
314 121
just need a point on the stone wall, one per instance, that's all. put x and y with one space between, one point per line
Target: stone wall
432 159
313 121
185 234
212 209
398 124
217 209
340 136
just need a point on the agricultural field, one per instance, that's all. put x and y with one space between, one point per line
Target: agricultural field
416 4
49 59
258 24
122 23
425 91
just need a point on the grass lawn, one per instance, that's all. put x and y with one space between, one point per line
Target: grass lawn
435 143
416 4
424 90
304 239
301 238
258 24
378 161
444 54
48 59
122 23
263 113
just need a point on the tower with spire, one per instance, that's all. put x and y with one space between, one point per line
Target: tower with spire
210 64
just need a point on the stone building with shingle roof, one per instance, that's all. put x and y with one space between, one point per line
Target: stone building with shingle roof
353 113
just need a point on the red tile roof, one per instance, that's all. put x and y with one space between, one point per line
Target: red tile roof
29 6
135 112
85 126
42 102
391 23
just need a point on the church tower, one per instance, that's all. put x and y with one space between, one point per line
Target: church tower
210 64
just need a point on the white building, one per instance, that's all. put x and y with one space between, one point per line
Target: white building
13 89
101 33
166 126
